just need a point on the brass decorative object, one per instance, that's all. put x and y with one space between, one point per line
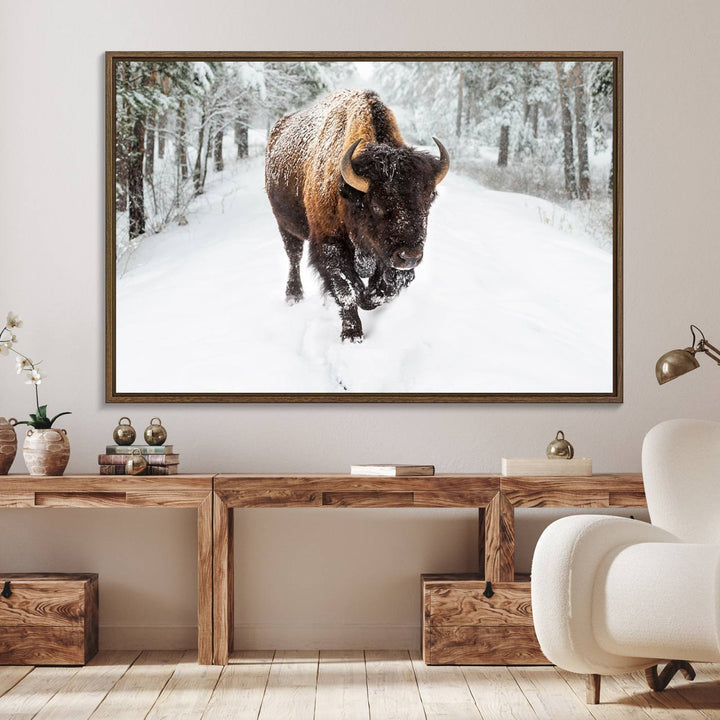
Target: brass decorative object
124 433
8 444
155 434
560 448
678 362
136 463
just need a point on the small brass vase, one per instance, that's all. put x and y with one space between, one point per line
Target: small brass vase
560 448
136 463
155 433
124 433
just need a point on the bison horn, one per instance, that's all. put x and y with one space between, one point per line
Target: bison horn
444 162
349 175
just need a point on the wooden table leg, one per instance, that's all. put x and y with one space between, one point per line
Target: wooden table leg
481 541
223 581
205 581
499 540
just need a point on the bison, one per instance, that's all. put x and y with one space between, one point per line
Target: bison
340 176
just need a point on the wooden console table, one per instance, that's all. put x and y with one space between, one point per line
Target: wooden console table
215 497
126 491
495 497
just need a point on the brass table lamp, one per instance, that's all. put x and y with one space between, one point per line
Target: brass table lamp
677 362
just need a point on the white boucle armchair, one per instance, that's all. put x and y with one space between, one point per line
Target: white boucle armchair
613 595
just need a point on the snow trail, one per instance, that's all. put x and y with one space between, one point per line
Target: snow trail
502 302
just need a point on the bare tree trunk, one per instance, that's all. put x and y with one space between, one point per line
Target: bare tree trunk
136 191
469 101
121 162
534 114
218 151
150 148
181 149
504 146
458 119
241 131
122 130
531 105
581 132
197 170
162 124
206 157
566 117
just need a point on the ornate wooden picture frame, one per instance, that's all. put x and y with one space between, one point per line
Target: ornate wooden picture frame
364 227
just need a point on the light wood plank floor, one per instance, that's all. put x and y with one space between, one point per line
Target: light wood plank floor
349 685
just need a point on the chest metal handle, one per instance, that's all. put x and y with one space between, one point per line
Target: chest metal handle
6 592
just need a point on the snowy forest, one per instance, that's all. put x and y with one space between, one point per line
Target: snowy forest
521 230
541 128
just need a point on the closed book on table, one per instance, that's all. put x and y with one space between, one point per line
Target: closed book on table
110 459
149 470
48 618
144 449
547 467
392 470
162 470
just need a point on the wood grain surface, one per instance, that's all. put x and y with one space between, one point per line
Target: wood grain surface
43 602
499 540
611 490
345 687
464 604
28 645
502 645
205 578
127 491
223 580
444 691
357 491
49 619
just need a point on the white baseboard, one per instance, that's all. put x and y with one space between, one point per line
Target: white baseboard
265 637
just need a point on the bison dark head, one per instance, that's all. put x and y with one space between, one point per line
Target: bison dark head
387 194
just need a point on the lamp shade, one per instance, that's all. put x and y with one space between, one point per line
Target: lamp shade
675 363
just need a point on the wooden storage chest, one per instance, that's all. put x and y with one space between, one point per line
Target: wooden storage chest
462 626
48 619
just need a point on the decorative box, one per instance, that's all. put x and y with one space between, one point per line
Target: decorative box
467 621
48 618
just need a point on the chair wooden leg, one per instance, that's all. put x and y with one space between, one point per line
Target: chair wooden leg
592 689
659 682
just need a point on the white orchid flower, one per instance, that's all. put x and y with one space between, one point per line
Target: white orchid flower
13 320
23 364
5 346
35 377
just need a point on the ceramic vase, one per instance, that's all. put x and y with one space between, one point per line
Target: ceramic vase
47 451
8 444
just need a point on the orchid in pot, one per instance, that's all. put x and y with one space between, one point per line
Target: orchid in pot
46 450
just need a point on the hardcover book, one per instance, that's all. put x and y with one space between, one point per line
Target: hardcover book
547 467
110 459
150 470
144 449
392 470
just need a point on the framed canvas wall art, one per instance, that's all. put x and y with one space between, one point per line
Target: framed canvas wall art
364 227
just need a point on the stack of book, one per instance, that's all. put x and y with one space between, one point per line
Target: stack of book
161 460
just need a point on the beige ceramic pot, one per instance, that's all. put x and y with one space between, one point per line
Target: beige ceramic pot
8 444
46 452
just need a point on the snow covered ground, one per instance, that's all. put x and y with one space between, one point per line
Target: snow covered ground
509 298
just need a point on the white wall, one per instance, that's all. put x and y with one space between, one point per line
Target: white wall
330 578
